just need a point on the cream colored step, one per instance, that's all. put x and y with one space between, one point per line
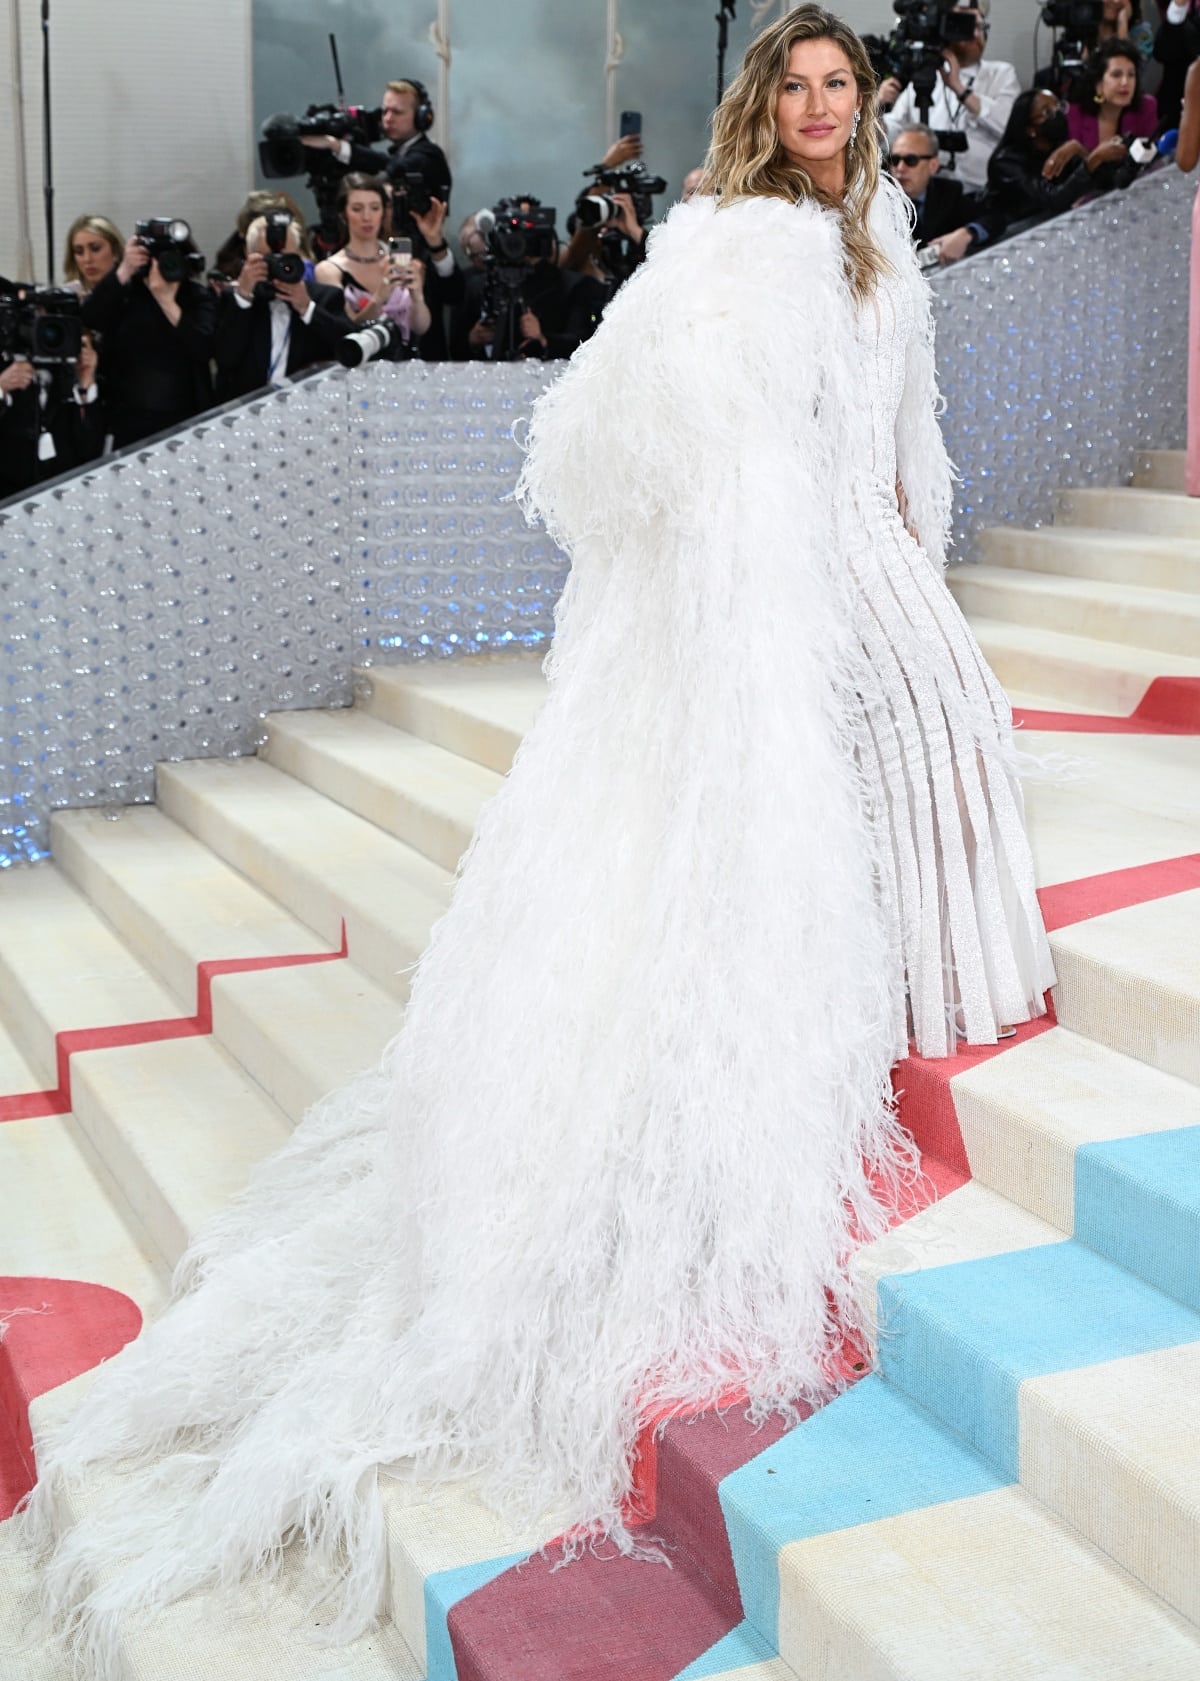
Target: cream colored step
63 966
987 1588
420 793
321 861
1024 1115
173 901
1165 620
1076 672
178 1128
1113 1449
1152 513
479 709
1131 980
1160 469
1166 563
298 1031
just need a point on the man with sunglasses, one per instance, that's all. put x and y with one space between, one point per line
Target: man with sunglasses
973 97
950 219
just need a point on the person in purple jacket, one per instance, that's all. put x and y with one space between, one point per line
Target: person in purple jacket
1109 111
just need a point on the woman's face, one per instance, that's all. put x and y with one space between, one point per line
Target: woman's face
93 255
817 99
1118 82
364 217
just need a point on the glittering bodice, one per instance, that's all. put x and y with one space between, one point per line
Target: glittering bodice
884 325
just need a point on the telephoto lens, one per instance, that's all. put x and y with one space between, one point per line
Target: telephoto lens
367 344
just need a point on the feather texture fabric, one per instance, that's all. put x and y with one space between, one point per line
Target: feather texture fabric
638 1113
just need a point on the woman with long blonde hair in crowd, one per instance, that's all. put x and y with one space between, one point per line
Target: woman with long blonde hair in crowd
765 830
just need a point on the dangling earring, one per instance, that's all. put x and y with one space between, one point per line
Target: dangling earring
854 129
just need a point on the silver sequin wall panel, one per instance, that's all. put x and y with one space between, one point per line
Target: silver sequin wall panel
160 606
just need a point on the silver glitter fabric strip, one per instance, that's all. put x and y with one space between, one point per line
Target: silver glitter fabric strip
158 607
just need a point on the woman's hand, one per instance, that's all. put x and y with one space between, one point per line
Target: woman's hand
483 332
624 150
1108 151
134 259
1060 157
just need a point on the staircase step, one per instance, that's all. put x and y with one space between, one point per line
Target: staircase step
1131 980
420 793
63 967
1077 671
1130 614
1112 1449
1026 1115
1152 513
1167 563
322 862
1160 469
478 709
986 1587
173 1177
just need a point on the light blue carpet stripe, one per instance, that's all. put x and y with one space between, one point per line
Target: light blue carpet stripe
443 1590
959 1339
869 1454
741 1646
1137 1200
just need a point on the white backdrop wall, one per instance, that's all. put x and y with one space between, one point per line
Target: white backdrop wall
152 115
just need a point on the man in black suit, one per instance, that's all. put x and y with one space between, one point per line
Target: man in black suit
267 331
950 218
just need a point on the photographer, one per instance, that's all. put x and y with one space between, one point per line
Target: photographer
232 252
373 279
950 221
1111 110
605 252
1018 184
51 418
271 325
973 97
404 117
157 332
522 305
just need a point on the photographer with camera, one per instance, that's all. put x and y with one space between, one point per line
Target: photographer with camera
377 277
157 325
271 324
950 221
1109 113
972 95
521 305
51 415
405 116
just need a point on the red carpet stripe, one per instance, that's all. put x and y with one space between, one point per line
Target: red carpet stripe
1170 706
1077 901
24 1106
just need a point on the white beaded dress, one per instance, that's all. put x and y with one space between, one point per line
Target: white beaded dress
638 1112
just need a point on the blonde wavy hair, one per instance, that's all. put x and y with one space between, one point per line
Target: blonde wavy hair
745 158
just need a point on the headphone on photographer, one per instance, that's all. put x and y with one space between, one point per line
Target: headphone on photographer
423 112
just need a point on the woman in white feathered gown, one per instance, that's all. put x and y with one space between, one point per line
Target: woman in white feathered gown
765 825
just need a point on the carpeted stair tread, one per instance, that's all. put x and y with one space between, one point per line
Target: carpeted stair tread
1084 552
321 861
1079 672
1160 469
478 709
1128 613
1148 512
414 790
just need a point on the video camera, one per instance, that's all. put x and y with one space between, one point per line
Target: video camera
1080 22
519 232
39 324
914 51
594 209
281 149
169 241
287 266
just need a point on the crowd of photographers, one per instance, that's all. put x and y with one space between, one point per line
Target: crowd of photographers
144 337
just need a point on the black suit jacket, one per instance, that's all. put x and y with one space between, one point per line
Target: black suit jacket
156 374
949 205
242 344
424 154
